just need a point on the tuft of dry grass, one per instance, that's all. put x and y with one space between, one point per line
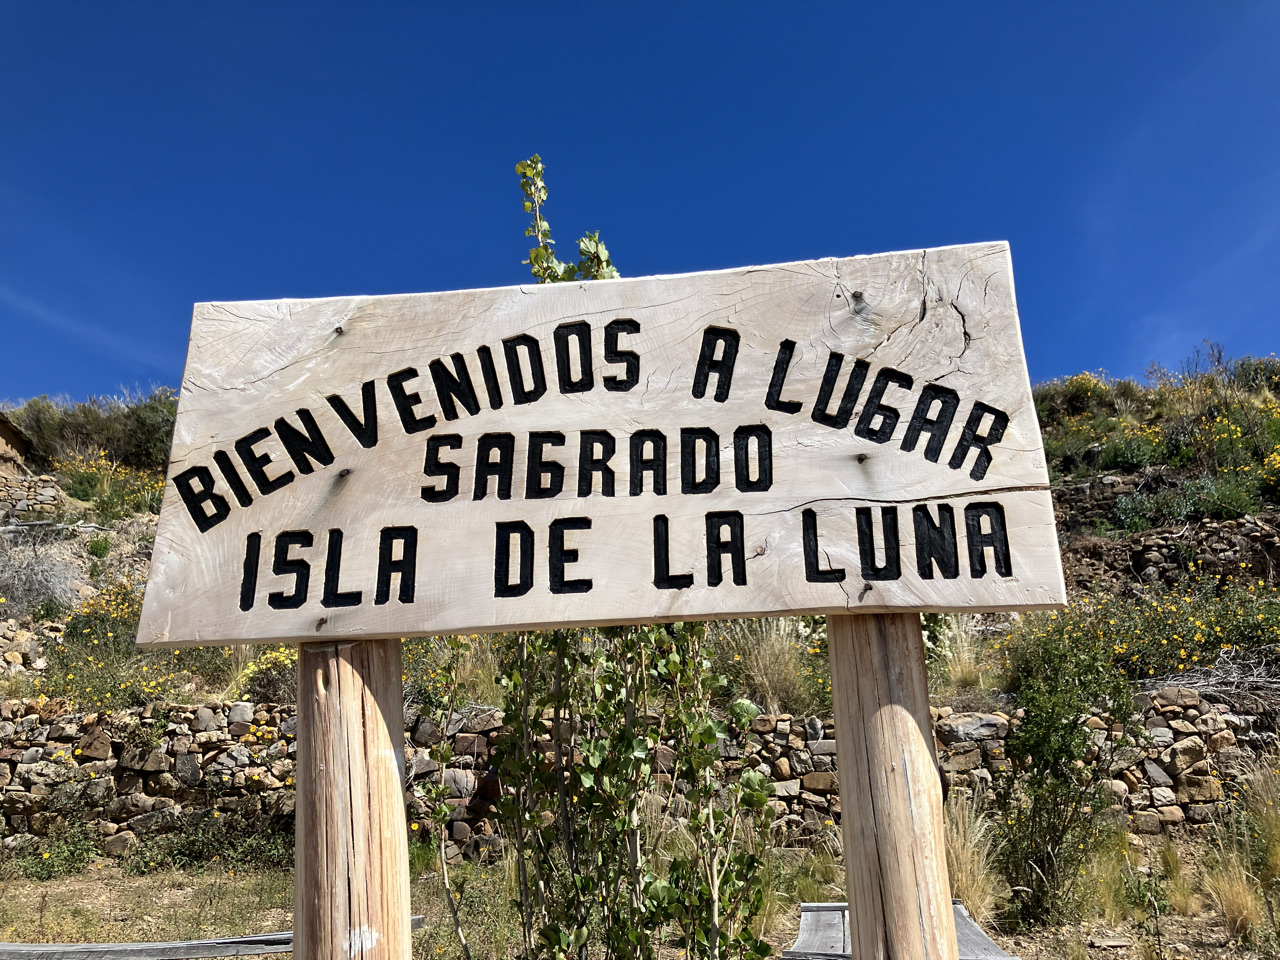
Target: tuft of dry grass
768 651
1178 889
1261 789
1233 891
971 858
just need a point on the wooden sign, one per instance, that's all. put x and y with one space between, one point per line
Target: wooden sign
839 436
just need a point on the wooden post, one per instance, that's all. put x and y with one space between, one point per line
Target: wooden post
890 793
351 885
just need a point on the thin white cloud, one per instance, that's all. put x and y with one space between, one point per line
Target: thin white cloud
119 346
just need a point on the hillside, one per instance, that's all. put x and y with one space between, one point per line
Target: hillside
1167 495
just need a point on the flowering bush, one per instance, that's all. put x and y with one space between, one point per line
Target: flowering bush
114 490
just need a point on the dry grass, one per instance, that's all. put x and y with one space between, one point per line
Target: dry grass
971 858
1261 789
1233 891
769 652
1178 888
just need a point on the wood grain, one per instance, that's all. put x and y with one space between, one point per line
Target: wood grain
944 318
351 896
890 792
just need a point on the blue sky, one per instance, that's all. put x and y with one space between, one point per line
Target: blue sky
156 154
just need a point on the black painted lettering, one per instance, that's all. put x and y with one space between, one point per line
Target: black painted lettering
227 467
405 402
364 430
282 565
970 438
454 388
504 445
663 579
195 499
735 547
502 584
690 439
433 466
742 439
813 570
249 577
537 374
256 463
304 447
936 427
722 365
629 359
891 569
591 463
876 407
559 555
489 371
773 400
405 566
848 399
543 478
579 333
655 464
332 596
936 542
995 538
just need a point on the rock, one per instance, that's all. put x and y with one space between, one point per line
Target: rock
240 713
32 755
471 744
425 733
820 748
460 783
1183 754
481 719
1162 797
819 782
1118 790
1096 723
129 806
1156 775
1162 738
1146 822
94 745
960 727
157 821
782 768
1171 815
1221 740
289 726
764 724
664 758
1183 727
813 729
1233 762
786 788
119 844
962 758
1200 813
1177 697
1210 724
460 831
1198 789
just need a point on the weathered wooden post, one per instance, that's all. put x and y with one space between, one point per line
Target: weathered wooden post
890 793
351 883
853 437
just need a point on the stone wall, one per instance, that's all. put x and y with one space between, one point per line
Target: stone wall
150 769
1249 546
1167 765
25 498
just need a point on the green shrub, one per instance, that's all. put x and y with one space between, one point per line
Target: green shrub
212 838
1046 805
99 546
115 491
132 430
1221 497
67 849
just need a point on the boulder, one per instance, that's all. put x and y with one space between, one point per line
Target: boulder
1182 755
1198 789
971 726
94 745
240 713
820 782
1146 822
